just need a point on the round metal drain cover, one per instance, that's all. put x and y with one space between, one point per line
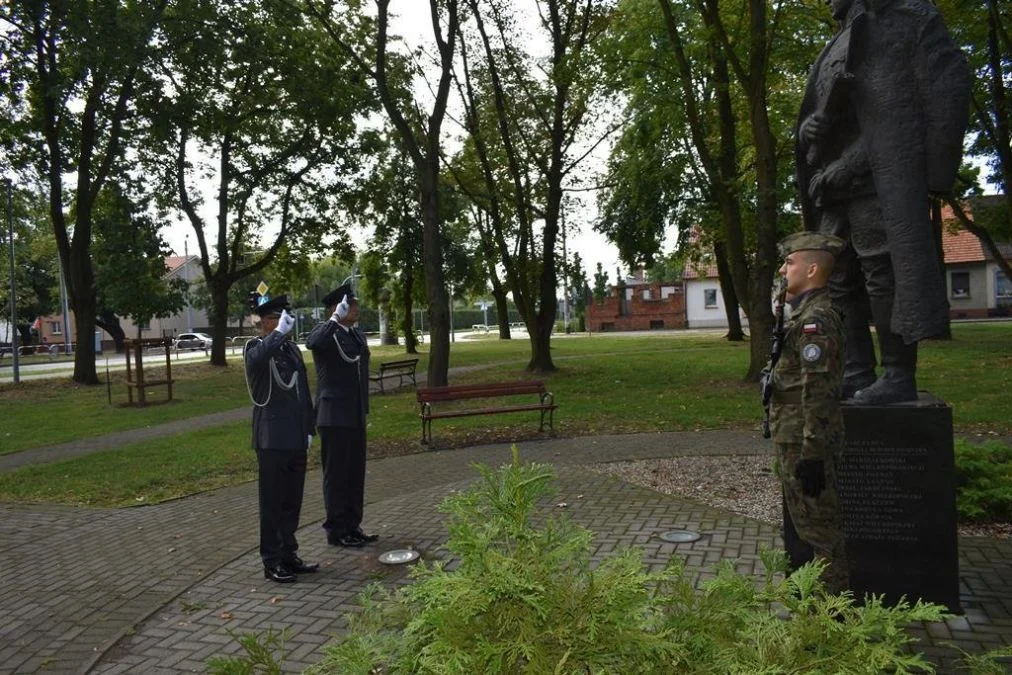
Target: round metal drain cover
680 536
398 556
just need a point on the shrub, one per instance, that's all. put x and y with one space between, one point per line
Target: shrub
524 598
983 481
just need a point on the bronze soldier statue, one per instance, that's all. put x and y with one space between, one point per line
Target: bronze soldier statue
282 432
880 129
805 418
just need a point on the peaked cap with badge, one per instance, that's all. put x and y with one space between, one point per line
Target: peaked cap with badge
810 241
273 306
336 295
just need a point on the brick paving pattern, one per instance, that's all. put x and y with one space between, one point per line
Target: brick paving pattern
144 589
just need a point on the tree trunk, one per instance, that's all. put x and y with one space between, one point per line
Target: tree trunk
731 304
435 286
84 331
541 350
502 309
25 329
408 322
82 295
761 330
936 227
219 322
109 322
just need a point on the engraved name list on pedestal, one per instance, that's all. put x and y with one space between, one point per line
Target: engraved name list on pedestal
897 494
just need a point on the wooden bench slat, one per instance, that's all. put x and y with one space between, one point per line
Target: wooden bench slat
491 411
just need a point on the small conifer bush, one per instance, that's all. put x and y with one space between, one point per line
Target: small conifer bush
524 598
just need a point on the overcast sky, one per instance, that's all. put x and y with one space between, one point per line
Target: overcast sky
414 24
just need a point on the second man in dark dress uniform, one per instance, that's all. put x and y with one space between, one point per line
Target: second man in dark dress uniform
282 431
341 357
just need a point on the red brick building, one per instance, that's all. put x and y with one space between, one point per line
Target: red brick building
636 304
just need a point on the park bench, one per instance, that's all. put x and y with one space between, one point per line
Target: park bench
401 369
426 396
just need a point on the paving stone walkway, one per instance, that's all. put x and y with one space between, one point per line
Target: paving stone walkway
158 588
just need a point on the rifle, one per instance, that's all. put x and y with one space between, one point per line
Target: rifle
776 346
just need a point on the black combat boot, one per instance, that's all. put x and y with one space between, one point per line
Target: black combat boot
899 360
859 369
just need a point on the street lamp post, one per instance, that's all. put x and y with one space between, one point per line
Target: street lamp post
189 303
14 305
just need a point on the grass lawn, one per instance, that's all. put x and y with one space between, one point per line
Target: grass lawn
604 384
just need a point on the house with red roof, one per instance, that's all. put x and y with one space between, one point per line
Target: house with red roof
976 285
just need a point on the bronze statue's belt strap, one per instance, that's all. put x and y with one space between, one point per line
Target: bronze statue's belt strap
787 397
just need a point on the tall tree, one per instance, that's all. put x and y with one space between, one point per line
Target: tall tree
75 69
418 133
983 29
36 264
129 257
253 99
538 127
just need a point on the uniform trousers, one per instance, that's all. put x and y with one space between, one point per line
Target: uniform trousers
281 483
817 521
342 456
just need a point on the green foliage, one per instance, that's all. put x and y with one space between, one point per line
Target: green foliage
525 598
129 258
983 481
261 656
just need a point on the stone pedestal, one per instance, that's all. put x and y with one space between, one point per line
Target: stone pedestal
897 491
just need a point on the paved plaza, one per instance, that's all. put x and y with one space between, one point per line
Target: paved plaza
162 588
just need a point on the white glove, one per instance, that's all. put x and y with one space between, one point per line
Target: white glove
285 323
342 309
309 441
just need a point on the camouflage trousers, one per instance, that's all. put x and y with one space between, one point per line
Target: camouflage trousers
817 520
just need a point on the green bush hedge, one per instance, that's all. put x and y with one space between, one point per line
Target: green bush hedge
983 482
525 599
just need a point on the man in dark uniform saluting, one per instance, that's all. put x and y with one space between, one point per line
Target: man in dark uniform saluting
341 357
282 432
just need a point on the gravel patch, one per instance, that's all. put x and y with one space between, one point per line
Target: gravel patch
743 484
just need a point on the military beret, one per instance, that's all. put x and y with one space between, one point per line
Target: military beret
337 294
272 306
810 241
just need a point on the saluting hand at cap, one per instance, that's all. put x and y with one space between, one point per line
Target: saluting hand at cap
342 309
285 323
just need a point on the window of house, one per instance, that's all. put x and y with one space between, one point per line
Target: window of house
709 297
55 328
646 293
1002 285
144 325
960 283
657 324
629 294
667 291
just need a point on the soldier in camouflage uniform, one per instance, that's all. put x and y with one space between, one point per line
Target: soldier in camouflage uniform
806 422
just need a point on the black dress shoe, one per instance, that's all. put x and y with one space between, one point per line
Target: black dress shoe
347 540
297 566
366 538
279 574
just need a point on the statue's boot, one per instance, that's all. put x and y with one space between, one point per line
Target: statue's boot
899 361
859 368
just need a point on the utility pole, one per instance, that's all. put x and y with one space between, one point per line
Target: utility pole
14 304
189 302
453 333
565 277
65 306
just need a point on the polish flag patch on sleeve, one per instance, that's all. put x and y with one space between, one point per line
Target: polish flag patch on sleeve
809 328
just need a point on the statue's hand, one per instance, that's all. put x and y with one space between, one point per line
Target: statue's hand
814 128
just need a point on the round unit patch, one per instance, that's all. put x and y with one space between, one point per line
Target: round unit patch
811 353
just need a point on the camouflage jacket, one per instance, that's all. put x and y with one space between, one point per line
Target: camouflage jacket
808 378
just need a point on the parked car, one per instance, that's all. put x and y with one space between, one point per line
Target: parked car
192 341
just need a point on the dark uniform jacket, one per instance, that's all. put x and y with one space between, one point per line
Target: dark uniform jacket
341 357
807 380
282 417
